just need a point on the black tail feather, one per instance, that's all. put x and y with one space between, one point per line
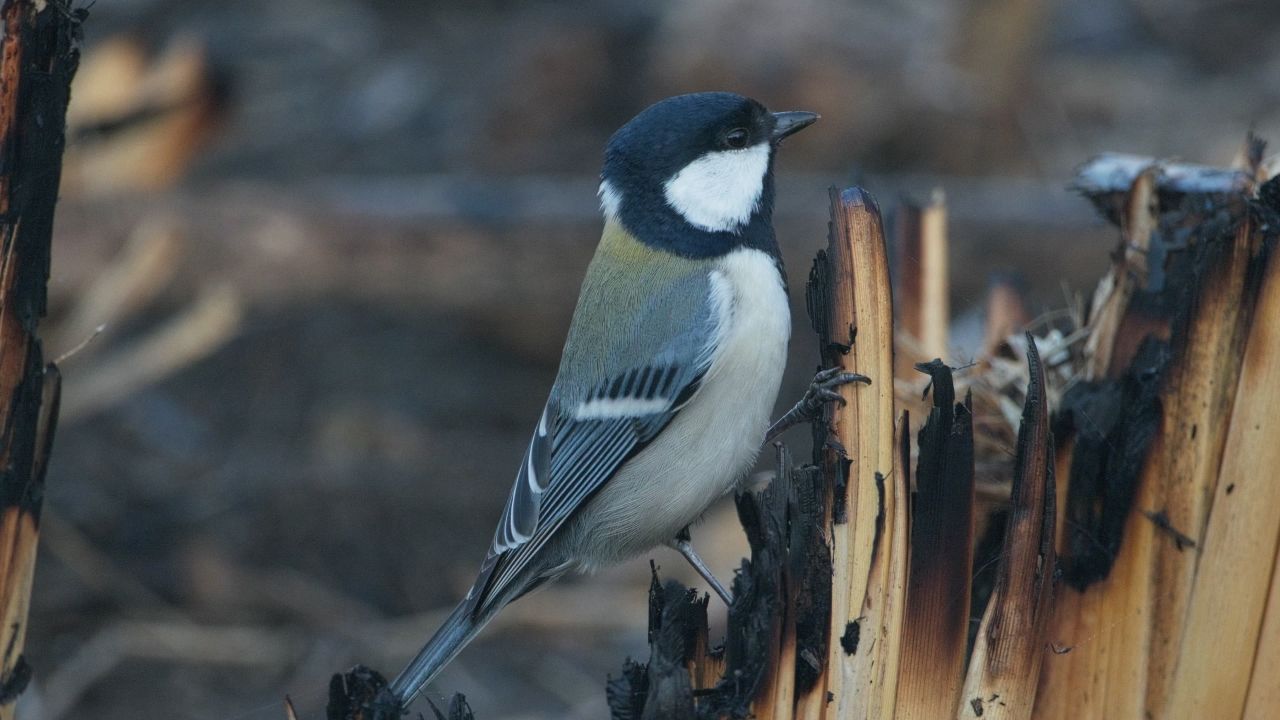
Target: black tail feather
448 641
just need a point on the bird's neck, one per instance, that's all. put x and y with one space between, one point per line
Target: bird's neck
649 219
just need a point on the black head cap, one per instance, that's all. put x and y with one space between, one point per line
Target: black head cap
649 151
674 132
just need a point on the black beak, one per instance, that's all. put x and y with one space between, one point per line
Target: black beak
792 122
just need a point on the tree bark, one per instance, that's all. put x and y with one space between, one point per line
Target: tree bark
39 57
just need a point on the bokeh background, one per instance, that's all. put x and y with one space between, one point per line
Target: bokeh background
326 252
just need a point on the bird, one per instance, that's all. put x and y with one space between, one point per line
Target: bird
671 366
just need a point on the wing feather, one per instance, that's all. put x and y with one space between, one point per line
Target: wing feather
585 454
584 436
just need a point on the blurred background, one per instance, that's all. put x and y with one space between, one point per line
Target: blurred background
314 261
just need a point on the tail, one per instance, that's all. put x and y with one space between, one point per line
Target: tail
453 635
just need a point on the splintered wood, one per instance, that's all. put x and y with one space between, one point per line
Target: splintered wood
869 538
1136 549
1240 538
936 624
922 262
39 57
1167 571
1010 646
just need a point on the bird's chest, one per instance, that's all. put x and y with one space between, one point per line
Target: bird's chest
753 324
713 441
733 407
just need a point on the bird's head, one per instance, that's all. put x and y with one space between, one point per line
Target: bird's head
699 163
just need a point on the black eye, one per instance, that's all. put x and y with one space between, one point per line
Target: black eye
737 138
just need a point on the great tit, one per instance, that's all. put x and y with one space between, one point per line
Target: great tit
671 366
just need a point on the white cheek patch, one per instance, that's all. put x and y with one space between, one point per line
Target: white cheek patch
720 191
610 199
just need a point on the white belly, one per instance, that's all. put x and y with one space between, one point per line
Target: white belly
711 443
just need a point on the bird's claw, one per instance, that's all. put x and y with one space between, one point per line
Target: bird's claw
822 390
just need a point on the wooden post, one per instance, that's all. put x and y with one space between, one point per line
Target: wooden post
936 625
869 531
1007 311
40 54
1005 665
1153 429
924 286
1233 573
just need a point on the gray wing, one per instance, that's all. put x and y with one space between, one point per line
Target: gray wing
582 438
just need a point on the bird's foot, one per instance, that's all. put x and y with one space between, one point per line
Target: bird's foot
681 544
821 391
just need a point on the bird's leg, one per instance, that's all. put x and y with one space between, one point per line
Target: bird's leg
681 544
821 391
